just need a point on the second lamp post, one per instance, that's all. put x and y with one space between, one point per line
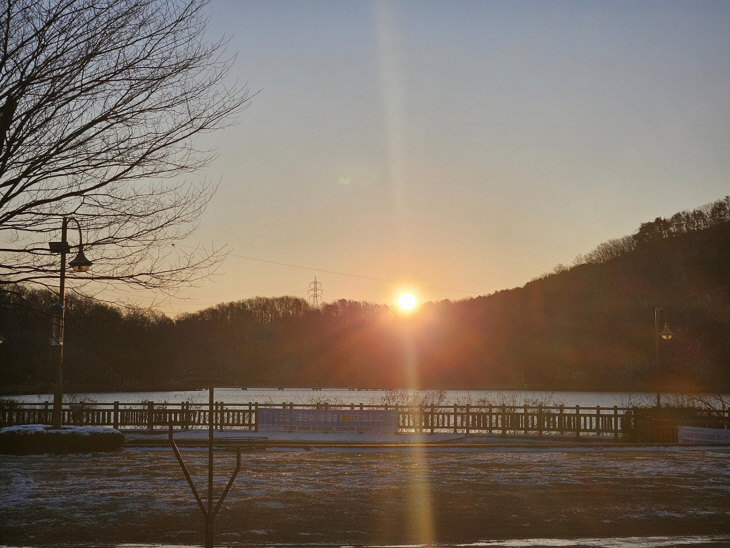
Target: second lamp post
664 334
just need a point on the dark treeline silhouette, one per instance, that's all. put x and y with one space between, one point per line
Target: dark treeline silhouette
588 326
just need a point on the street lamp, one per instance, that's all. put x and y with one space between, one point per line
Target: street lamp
664 334
80 264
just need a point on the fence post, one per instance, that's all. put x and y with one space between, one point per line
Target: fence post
352 407
577 421
150 420
45 411
220 415
455 413
432 418
256 415
115 420
615 422
598 420
561 420
397 415
504 420
467 419
539 420
386 407
525 419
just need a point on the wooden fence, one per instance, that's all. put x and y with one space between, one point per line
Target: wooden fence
576 421
512 420
628 424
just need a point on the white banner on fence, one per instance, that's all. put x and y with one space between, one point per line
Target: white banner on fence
692 434
330 420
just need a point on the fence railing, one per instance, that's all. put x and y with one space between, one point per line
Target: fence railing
505 420
511 420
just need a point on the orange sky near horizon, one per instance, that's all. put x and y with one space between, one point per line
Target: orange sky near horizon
453 150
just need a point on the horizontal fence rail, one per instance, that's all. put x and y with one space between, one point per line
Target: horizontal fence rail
506 420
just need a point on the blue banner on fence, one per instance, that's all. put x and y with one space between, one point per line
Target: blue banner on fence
693 434
310 420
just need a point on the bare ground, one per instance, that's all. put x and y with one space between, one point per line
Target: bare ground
369 496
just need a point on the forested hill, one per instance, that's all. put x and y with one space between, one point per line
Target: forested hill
588 326
593 325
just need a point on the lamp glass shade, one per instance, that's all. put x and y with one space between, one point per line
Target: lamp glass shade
666 333
80 263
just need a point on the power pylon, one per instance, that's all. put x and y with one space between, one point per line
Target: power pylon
315 292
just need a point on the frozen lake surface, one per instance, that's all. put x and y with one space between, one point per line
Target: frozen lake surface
268 396
607 497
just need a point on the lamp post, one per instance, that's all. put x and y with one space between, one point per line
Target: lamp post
665 334
80 264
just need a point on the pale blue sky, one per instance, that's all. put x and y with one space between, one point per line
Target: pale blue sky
482 143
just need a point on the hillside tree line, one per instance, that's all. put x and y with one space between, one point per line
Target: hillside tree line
588 326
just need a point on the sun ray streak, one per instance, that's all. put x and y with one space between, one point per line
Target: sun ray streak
420 512
393 97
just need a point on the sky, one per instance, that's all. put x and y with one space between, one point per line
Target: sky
455 149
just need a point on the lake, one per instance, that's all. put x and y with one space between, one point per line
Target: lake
334 396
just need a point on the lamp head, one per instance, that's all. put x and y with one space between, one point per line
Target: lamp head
59 247
80 263
666 333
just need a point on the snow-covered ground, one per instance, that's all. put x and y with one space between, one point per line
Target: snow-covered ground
293 438
608 497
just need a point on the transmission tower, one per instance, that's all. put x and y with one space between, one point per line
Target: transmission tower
315 292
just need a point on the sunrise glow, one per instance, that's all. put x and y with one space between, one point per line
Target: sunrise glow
407 301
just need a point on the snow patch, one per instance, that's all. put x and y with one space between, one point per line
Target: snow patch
29 429
625 542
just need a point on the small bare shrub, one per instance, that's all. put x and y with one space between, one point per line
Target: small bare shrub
512 399
321 401
412 398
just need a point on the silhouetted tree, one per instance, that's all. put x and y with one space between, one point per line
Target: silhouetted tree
100 105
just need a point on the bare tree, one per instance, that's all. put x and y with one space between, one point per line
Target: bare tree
611 249
100 105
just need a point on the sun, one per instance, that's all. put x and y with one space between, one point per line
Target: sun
406 301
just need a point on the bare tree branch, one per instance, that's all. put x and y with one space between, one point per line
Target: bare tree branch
100 105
